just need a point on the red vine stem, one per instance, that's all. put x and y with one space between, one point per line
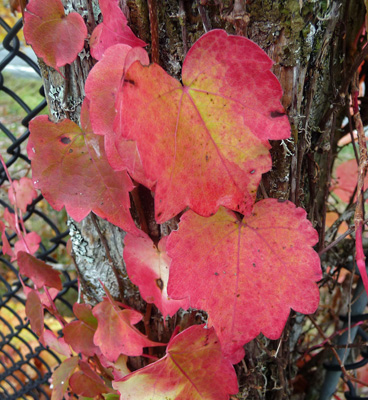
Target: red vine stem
363 165
152 11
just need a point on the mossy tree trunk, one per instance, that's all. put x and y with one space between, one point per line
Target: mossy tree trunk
312 45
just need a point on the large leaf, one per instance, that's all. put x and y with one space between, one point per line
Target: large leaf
194 368
148 268
116 334
21 193
34 312
69 166
55 38
37 270
247 274
205 142
113 30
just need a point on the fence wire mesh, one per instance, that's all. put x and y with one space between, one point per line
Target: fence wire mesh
25 365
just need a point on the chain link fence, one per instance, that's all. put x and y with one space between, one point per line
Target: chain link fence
25 365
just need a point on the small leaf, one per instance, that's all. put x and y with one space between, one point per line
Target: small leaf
246 274
6 249
60 377
116 334
84 313
34 312
70 167
148 268
205 142
80 336
33 241
54 37
119 367
193 368
40 273
48 339
113 30
22 193
86 382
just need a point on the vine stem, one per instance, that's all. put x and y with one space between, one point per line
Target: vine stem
152 11
346 375
363 165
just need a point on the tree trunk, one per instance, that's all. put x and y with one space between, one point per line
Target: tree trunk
311 43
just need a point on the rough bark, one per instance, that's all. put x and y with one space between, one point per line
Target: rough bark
310 42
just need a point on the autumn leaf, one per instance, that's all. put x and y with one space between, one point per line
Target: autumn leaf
79 334
102 87
194 368
248 273
70 168
6 248
210 134
48 339
116 334
60 377
37 270
347 179
86 382
21 193
114 29
34 312
30 242
54 37
148 268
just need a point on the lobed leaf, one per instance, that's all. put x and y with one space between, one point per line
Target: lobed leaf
54 37
193 368
22 193
114 29
70 168
209 134
60 377
246 274
116 335
148 268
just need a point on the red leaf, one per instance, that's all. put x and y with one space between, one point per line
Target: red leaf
9 217
22 193
148 268
119 367
60 377
86 382
193 368
40 273
70 168
6 249
80 336
102 86
116 334
48 339
113 30
33 241
347 178
247 274
84 313
55 38
210 135
34 312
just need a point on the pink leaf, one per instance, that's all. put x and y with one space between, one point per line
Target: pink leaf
116 334
247 274
55 38
34 312
33 241
22 193
193 368
71 169
6 249
148 268
48 339
113 30
9 217
205 141
40 273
